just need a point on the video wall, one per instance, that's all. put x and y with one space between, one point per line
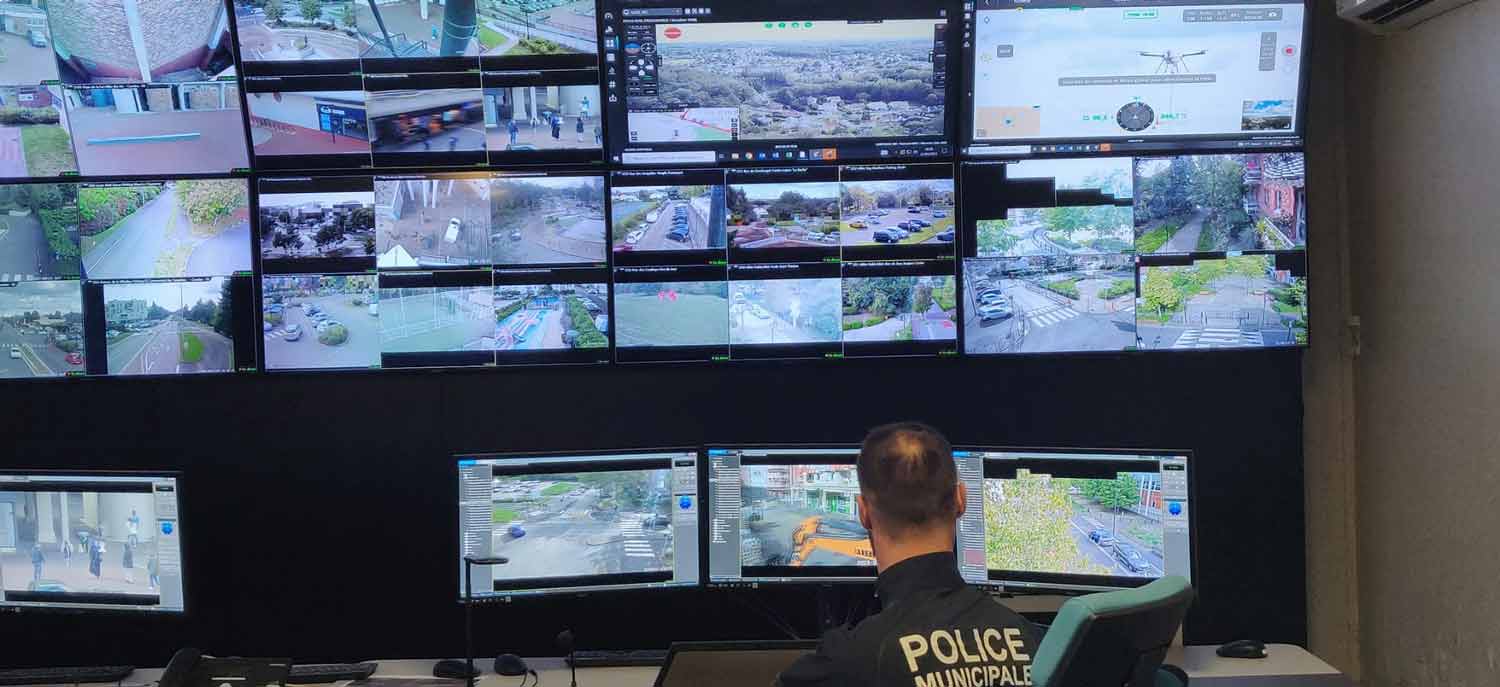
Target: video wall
260 186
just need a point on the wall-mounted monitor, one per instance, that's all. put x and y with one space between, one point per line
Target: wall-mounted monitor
579 522
87 541
778 82
1055 76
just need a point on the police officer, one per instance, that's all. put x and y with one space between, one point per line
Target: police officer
933 628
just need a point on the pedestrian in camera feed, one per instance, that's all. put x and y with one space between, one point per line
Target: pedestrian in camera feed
557 127
67 552
513 130
153 573
127 561
579 129
37 561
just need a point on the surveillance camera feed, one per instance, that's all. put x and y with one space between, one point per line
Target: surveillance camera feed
171 228
317 322
543 220
735 81
577 523
178 326
35 138
1074 520
119 60
41 329
1119 73
784 515
95 542
1122 253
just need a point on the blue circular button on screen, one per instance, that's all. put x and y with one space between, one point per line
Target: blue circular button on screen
685 502
1175 508
166 528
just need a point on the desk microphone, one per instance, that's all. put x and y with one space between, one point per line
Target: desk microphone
565 642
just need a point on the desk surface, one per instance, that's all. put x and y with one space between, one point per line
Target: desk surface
1285 666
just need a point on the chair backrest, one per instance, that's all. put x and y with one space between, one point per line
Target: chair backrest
1113 639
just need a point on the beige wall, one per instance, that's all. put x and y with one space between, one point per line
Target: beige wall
1424 209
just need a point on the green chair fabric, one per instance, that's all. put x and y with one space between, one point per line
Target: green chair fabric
1114 639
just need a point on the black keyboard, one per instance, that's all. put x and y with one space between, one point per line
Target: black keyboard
607 659
321 673
60 676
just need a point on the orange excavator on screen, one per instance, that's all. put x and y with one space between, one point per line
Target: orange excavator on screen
829 541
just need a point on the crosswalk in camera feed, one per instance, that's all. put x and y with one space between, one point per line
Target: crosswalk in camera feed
582 524
801 516
1099 527
41 328
1079 71
1243 301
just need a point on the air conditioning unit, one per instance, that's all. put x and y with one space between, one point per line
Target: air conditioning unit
1392 16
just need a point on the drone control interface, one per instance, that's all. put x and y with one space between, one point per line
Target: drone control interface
1071 76
777 80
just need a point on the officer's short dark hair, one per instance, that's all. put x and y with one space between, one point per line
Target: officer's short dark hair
906 471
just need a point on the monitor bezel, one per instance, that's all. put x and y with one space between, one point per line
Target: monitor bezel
1171 145
182 548
509 596
704 516
1043 583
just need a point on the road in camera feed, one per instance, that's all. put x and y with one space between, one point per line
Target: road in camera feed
899 309
544 221
171 346
41 329
307 348
1232 303
158 240
591 524
1083 305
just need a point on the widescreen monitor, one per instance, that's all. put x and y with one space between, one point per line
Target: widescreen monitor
578 522
778 82
784 514
1134 253
1075 520
90 541
1070 76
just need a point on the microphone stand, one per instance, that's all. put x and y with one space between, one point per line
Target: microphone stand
469 563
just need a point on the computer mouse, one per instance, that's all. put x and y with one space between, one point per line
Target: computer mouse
453 669
511 665
1243 648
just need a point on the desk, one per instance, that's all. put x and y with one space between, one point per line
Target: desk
1286 666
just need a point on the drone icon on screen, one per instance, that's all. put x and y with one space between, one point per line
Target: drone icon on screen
1171 62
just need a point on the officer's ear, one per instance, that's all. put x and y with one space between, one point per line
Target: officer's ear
960 500
864 511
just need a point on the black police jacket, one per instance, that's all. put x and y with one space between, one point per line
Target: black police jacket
934 631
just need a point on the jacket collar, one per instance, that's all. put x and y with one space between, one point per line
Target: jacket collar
918 573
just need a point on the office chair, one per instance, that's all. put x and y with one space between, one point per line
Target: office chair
1115 639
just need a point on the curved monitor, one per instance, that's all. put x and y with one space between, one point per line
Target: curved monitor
579 522
1074 519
